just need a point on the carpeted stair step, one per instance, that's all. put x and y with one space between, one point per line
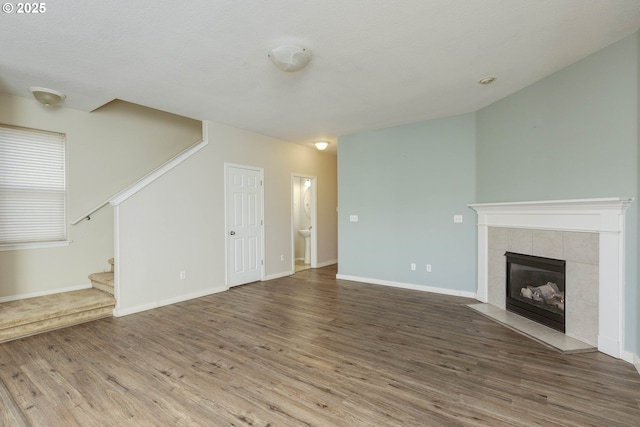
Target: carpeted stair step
32 316
102 281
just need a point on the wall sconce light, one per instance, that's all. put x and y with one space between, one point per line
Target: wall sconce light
321 145
47 97
290 58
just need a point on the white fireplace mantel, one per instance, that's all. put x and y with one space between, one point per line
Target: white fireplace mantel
604 216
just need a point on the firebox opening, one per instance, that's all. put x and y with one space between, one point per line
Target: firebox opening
536 289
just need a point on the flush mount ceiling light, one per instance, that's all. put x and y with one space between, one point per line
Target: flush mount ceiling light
290 58
487 80
47 97
321 145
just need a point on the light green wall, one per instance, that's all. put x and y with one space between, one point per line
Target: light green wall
405 184
571 135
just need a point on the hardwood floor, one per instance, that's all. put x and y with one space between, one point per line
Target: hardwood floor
309 350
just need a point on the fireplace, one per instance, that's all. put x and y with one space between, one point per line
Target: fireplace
592 236
536 288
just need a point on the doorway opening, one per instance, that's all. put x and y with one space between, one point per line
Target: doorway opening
303 222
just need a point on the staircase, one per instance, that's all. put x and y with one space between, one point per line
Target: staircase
32 316
103 281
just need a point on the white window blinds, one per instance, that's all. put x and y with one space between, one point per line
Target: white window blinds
32 186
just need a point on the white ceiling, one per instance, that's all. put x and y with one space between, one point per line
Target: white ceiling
376 63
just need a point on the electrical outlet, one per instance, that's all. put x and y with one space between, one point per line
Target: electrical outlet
183 274
281 257
428 268
413 266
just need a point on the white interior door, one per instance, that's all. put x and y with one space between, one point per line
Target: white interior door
244 225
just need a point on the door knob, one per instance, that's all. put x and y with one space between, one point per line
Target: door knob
233 233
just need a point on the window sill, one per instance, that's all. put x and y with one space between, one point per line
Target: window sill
34 245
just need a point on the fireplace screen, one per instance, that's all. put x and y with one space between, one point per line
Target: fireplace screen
536 288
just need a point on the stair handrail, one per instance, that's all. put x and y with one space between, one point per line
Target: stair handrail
132 189
87 215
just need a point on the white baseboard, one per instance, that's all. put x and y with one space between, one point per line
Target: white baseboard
43 293
636 362
118 312
627 356
192 295
277 275
289 273
433 289
327 263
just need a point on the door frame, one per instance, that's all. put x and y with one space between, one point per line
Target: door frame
226 220
313 221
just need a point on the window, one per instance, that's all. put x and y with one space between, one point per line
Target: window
32 188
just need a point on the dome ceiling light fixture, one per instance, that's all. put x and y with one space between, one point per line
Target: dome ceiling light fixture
321 145
290 58
487 80
47 97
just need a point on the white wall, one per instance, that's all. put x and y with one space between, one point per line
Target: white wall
106 150
177 223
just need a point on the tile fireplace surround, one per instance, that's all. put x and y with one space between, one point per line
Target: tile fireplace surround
588 233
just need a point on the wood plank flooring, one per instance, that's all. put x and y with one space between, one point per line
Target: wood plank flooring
309 350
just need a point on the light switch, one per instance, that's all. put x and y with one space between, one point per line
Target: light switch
457 218
353 218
